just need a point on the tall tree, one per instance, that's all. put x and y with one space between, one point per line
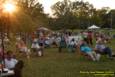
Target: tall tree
28 17
73 14
110 18
100 17
61 8
34 9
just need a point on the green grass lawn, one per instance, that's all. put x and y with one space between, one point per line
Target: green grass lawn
65 64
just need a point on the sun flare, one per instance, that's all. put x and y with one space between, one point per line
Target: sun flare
9 7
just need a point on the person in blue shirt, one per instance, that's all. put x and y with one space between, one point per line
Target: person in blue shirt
88 51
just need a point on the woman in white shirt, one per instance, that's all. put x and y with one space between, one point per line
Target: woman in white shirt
10 61
36 47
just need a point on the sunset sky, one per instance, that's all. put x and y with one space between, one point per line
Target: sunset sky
97 4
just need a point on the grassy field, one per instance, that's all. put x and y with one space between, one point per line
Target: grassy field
65 64
54 64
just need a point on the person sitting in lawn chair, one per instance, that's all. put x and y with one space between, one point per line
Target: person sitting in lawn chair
36 48
17 69
88 52
10 60
72 45
103 49
22 48
47 42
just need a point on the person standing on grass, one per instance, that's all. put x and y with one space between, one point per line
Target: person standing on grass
62 43
34 44
90 38
36 48
85 36
41 44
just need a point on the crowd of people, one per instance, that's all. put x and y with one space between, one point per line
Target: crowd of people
82 42
71 41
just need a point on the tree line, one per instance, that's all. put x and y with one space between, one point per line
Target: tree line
80 15
66 15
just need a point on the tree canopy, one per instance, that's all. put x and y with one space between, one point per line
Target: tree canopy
78 15
66 15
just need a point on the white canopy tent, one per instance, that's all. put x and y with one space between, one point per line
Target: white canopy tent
43 28
93 27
